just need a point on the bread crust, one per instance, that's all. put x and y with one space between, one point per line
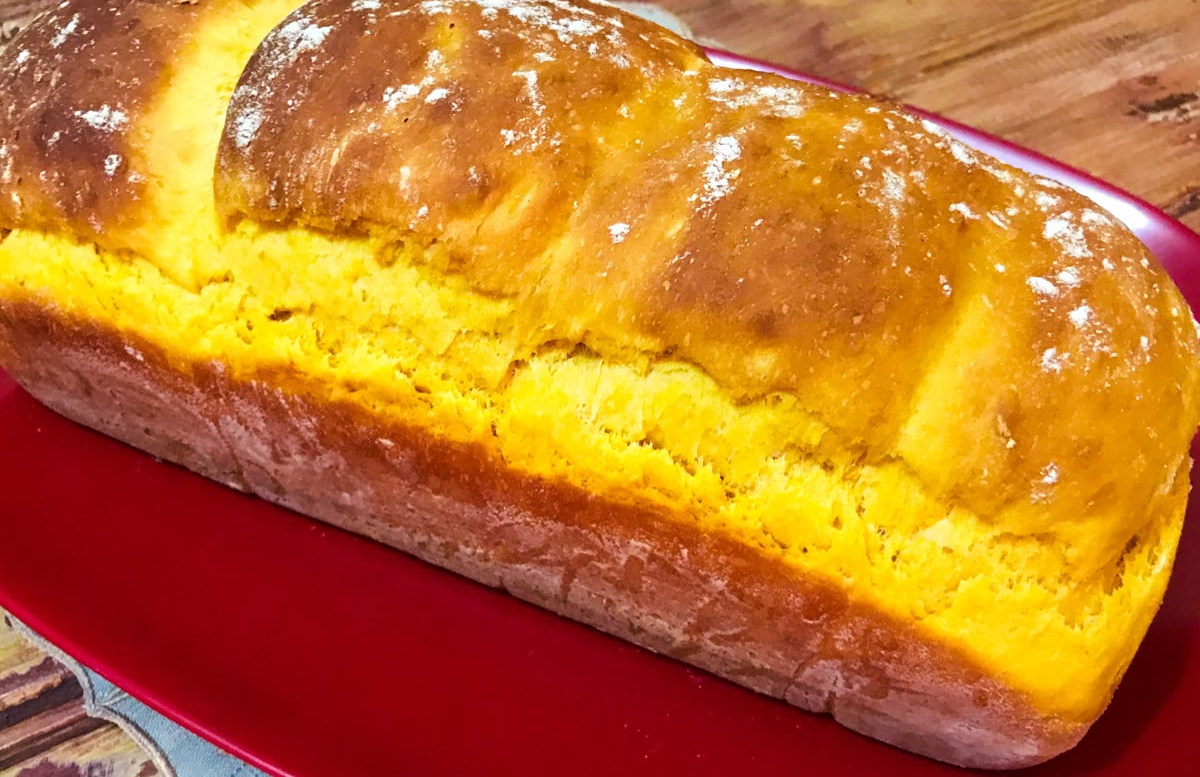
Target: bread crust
637 573
70 155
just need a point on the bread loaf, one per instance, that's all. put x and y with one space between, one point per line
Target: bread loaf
784 383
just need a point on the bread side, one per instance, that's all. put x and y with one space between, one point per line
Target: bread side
893 398
640 574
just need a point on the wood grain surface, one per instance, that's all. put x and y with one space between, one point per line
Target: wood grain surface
1108 86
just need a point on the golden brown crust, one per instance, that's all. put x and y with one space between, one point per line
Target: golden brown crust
84 73
635 573
783 238
443 128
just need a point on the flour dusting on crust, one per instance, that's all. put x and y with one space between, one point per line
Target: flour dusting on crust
297 36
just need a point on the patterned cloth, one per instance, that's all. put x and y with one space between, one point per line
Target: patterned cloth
174 749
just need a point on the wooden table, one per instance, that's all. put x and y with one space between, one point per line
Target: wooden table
1109 86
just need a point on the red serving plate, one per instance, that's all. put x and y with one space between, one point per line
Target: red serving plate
304 649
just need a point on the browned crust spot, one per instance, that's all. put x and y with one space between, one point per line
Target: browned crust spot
76 82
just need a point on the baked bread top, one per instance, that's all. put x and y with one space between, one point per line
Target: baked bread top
981 384
783 238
